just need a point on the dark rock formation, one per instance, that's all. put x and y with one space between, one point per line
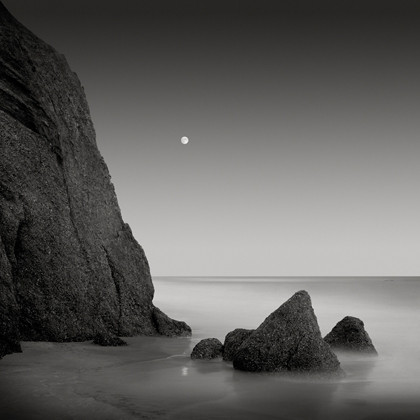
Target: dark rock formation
169 327
108 340
288 340
209 348
233 341
69 266
350 335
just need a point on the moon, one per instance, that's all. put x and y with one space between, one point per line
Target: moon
185 140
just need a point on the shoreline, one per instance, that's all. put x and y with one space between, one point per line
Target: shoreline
155 378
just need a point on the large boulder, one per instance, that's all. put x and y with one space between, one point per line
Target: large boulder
233 341
350 335
288 340
209 348
69 266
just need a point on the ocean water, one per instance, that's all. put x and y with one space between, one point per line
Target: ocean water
155 378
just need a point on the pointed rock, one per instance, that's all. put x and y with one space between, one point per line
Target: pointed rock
288 340
350 335
233 341
209 348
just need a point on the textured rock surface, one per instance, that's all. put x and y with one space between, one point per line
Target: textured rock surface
209 348
169 327
233 341
350 335
108 340
69 266
288 340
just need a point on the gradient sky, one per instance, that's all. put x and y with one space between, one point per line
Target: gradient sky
303 118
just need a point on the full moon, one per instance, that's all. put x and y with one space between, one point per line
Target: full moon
185 140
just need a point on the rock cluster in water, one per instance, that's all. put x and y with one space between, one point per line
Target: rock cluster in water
350 335
288 340
70 267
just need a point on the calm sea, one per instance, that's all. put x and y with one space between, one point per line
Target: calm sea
384 387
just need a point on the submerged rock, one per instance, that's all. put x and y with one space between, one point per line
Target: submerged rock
169 327
233 341
69 265
209 348
288 340
108 340
350 335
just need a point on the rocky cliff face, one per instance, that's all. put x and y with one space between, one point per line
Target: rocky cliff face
69 266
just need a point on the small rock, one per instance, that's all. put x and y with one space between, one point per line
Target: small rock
233 340
9 346
350 335
108 340
209 348
288 340
169 327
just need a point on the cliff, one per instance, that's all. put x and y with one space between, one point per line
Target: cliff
69 266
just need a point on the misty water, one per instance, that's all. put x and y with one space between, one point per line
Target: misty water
154 377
